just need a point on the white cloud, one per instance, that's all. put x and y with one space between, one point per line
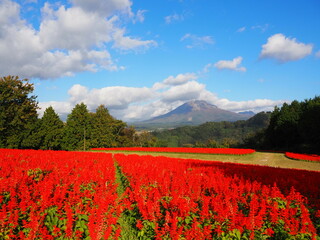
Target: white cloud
188 91
173 81
116 97
242 29
231 65
61 108
174 18
196 41
180 79
131 104
59 29
127 43
285 49
252 105
69 40
104 8
139 17
262 28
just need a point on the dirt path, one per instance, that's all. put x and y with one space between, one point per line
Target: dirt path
279 160
259 158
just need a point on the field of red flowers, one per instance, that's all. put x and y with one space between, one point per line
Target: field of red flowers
233 151
93 195
305 157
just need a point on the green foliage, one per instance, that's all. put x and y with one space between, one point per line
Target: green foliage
213 134
51 130
102 128
46 133
18 110
77 128
295 127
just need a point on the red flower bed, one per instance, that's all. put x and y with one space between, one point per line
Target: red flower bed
192 199
233 151
82 195
57 195
306 157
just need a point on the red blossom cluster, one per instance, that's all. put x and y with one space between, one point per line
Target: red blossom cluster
76 195
306 157
57 195
187 199
233 151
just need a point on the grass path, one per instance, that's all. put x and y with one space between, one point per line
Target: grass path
258 158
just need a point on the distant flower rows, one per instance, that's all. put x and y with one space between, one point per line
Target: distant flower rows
234 151
306 157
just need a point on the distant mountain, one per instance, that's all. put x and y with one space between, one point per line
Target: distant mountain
248 113
191 113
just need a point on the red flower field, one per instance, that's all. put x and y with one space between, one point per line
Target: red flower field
306 157
233 151
93 195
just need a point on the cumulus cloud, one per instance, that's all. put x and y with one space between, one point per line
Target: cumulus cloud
116 97
285 49
180 79
69 39
231 65
61 108
127 43
188 91
131 104
104 8
175 80
196 41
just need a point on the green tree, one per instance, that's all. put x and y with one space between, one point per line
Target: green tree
18 110
77 129
102 134
309 127
51 130
145 139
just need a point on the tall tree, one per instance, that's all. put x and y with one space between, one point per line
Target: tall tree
77 129
18 110
309 127
102 134
51 130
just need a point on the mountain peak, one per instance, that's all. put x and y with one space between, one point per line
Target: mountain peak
194 112
198 105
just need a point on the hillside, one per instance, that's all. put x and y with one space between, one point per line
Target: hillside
192 113
213 134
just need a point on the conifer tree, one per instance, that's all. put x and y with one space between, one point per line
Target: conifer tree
77 129
51 130
102 128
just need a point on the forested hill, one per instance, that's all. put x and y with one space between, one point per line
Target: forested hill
213 134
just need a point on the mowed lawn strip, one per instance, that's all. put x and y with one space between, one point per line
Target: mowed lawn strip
258 158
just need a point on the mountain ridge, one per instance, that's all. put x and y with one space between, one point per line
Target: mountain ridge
191 113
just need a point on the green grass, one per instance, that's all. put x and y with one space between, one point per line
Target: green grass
258 158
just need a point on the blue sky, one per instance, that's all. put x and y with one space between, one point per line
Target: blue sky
144 58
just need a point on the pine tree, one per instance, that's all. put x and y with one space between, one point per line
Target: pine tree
102 128
77 129
51 130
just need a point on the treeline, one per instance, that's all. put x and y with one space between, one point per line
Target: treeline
293 127
20 126
213 134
